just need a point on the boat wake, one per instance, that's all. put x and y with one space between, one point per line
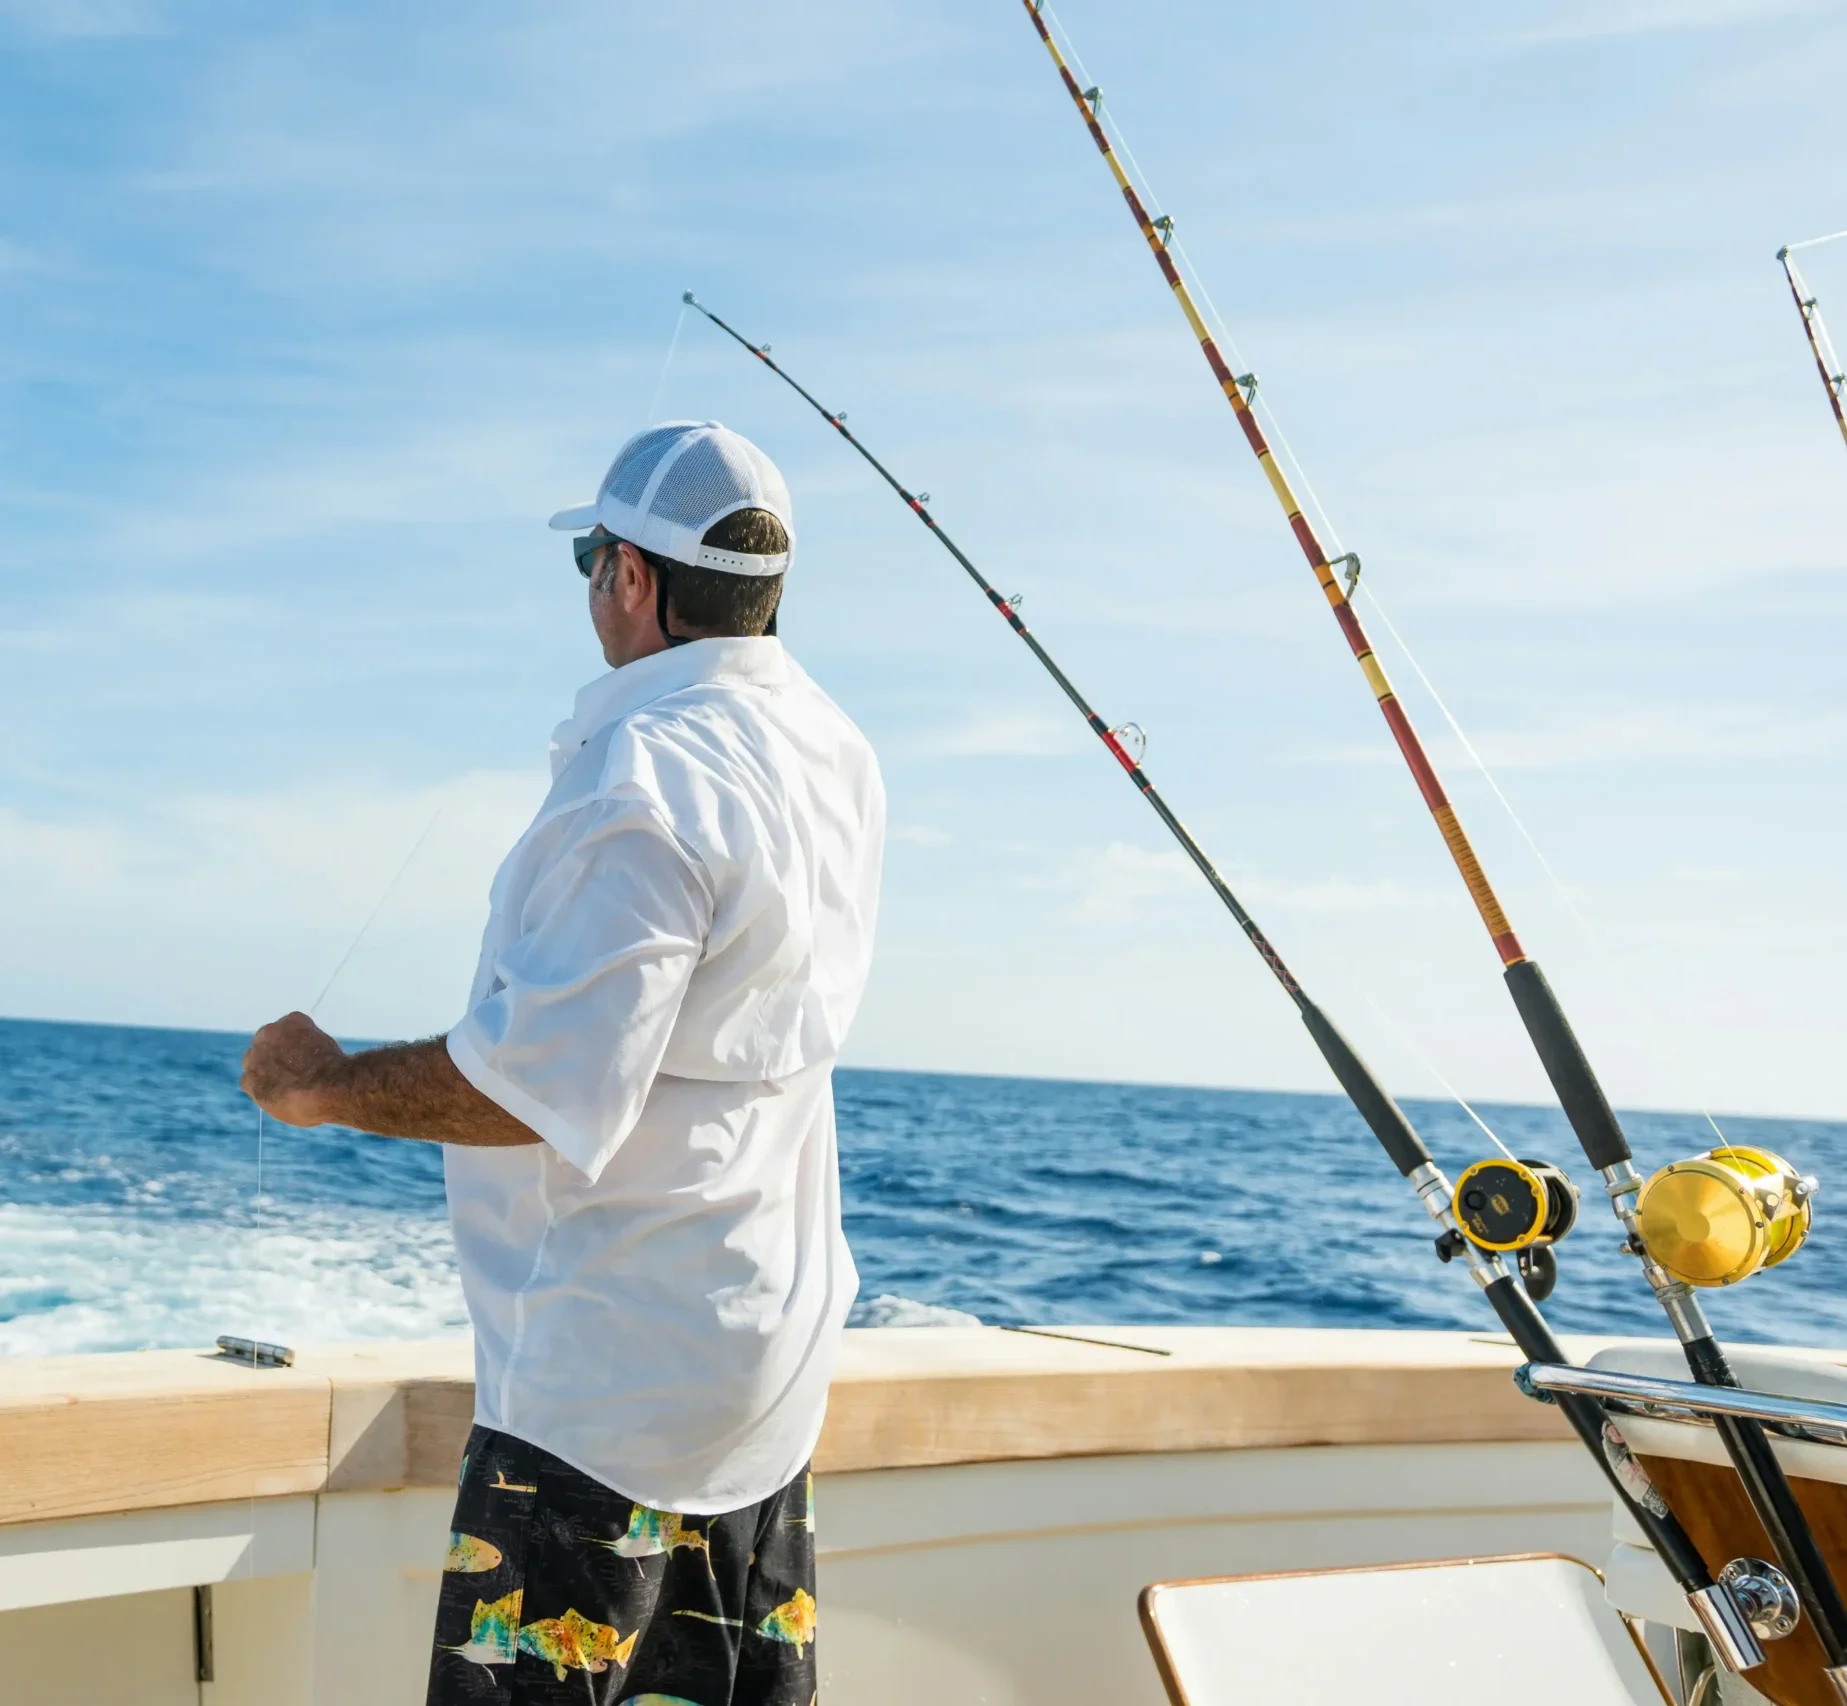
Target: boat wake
73 1281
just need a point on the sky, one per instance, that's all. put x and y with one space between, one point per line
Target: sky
310 316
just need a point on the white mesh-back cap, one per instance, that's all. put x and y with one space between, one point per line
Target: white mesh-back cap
670 484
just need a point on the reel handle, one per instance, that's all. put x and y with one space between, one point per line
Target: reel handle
1376 1106
1538 1271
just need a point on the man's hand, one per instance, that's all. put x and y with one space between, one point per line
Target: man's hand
290 1070
296 1072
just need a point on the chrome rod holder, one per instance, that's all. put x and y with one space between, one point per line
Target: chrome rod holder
1684 1399
1733 1642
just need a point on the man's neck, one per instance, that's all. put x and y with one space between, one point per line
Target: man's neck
647 644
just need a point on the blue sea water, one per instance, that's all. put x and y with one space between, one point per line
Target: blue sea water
130 1213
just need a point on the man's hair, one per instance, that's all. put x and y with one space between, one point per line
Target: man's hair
714 602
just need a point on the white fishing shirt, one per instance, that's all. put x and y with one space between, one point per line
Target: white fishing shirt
674 951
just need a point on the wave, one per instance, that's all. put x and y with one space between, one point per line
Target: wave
129 1216
887 1310
75 1281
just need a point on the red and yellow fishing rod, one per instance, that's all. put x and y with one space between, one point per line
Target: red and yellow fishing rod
1821 346
1665 1217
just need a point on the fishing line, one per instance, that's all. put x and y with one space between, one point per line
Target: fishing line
1176 246
673 344
1613 962
1573 1079
1813 242
1435 1072
442 805
1009 609
1113 739
257 1206
1260 404
1516 1307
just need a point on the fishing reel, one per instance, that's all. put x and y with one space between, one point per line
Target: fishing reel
1521 1208
1725 1215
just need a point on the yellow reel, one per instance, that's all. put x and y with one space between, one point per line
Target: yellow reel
1725 1215
1514 1205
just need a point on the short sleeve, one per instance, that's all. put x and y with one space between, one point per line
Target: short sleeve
585 989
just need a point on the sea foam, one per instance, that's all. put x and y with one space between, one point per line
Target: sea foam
90 1281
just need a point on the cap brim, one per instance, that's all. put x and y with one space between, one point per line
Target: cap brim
575 520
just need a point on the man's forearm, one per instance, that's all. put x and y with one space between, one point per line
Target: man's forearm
414 1090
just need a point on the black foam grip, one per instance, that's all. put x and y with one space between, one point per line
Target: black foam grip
1710 1365
1527 1328
1573 1082
1367 1094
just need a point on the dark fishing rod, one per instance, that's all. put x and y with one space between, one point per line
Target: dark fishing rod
1676 1218
1552 1199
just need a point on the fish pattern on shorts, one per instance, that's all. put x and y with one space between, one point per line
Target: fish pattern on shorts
557 1589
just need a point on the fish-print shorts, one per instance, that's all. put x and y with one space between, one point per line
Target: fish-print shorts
558 1590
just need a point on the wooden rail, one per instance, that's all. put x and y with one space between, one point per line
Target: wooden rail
149 1430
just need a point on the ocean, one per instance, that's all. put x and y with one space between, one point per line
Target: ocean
130 1215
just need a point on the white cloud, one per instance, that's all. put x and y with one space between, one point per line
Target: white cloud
1343 895
1601 20
1116 881
1126 872
1650 735
225 908
1005 733
1639 735
349 276
81 20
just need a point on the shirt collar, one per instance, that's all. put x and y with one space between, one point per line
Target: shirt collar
754 660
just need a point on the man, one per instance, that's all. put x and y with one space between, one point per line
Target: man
638 1125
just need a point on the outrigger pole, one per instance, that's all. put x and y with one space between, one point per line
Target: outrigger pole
1714 1604
1566 1065
1827 362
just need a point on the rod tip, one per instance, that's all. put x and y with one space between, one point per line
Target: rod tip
689 297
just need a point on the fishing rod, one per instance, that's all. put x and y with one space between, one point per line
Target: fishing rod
1494 1209
1666 1219
1821 346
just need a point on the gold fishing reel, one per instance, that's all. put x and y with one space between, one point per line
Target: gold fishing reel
1725 1215
1517 1207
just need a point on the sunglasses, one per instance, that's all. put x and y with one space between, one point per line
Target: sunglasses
585 548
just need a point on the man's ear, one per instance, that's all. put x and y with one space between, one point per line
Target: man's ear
635 580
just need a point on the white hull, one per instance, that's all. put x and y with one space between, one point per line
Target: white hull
989 1505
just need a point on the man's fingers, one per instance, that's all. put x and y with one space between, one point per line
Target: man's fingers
295 1024
283 1060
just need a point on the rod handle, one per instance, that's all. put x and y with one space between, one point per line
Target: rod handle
1573 1081
1527 1328
1376 1107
